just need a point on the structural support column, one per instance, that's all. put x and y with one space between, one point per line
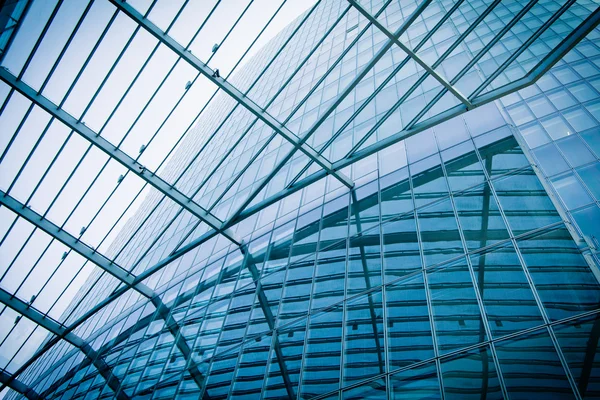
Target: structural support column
118 155
59 330
231 90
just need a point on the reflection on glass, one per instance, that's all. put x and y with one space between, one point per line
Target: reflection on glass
400 248
374 390
561 276
456 314
480 218
525 202
364 348
531 368
507 297
471 376
439 233
364 262
322 355
415 384
408 327
579 343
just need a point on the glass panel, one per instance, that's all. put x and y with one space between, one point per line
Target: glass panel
591 177
471 376
571 191
587 220
363 351
415 384
439 233
531 368
400 248
322 355
579 343
408 327
456 314
561 276
374 390
507 297
525 202
480 218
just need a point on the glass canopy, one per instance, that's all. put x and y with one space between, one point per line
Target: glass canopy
99 108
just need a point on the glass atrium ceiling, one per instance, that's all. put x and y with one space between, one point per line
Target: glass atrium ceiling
96 97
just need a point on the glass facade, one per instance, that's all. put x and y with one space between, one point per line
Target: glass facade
462 264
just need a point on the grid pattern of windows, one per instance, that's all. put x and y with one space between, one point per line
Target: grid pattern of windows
243 265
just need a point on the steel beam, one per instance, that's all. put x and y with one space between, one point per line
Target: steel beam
59 330
231 90
118 155
412 54
18 386
75 244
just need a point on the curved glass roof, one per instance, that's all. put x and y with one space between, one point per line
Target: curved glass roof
99 108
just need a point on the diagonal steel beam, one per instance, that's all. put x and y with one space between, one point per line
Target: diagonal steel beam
72 242
18 386
118 155
412 54
59 330
231 90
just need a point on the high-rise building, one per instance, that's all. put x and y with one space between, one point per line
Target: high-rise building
392 199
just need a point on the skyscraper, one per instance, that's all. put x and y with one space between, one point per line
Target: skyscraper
391 199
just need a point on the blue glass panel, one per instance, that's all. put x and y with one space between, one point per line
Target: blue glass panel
554 258
471 376
408 327
571 191
374 390
507 298
456 314
575 151
591 177
531 368
415 384
578 340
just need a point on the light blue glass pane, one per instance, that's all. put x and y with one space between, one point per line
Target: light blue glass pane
592 138
575 151
535 135
550 160
588 220
571 191
561 99
556 127
580 120
591 177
